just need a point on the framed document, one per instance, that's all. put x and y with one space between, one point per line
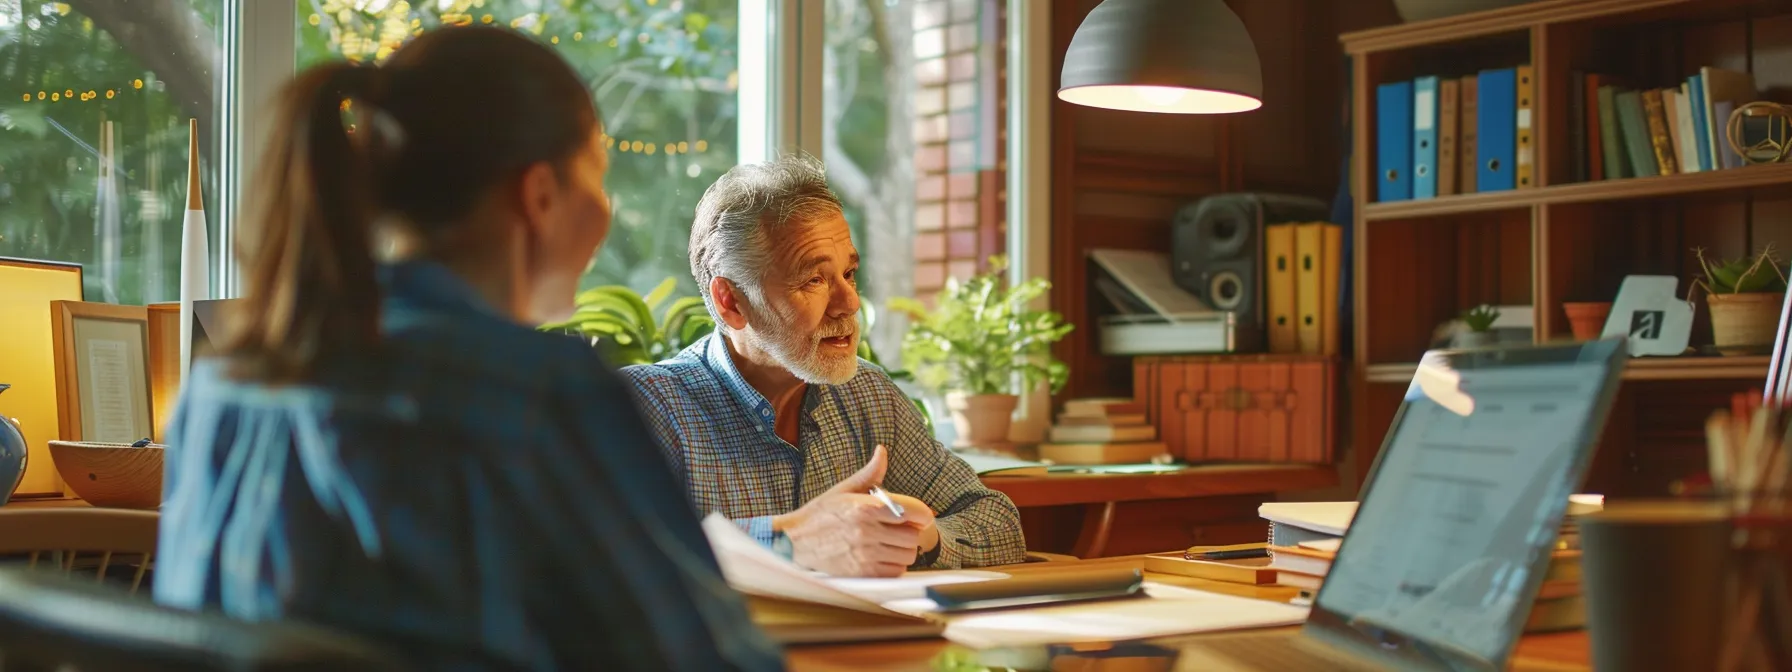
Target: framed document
102 371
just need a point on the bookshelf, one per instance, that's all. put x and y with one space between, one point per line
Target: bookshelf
1420 263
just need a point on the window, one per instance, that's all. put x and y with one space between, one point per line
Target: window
664 75
75 74
912 114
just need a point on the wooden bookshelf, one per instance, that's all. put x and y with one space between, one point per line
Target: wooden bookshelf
1420 263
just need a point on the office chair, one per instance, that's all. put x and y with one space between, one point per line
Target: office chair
51 622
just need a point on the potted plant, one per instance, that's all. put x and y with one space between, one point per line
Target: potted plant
977 344
1745 296
1479 321
621 324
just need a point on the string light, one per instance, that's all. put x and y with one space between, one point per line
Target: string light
71 95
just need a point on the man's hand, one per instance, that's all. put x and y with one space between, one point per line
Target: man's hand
847 532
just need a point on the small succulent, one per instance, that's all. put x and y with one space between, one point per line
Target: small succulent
1480 318
1759 273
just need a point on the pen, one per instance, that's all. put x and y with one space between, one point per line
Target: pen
1239 554
895 509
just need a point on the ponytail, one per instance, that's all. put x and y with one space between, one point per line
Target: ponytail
310 286
450 116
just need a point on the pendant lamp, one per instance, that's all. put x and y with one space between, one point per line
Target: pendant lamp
1171 56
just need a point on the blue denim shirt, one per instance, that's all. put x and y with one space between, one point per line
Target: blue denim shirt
476 495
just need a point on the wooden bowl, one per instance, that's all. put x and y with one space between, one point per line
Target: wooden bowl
111 474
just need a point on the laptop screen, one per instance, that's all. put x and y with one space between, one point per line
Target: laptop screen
1440 565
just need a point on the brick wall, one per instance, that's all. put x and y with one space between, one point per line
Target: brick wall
961 139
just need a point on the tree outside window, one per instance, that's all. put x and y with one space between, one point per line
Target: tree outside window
68 71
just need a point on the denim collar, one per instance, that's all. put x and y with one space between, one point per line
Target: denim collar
428 285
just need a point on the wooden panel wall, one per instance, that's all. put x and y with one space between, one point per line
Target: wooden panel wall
1118 177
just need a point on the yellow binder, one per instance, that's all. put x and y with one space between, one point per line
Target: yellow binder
1527 146
1331 265
1278 286
1309 255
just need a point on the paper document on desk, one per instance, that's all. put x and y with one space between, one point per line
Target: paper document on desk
1170 610
751 568
755 570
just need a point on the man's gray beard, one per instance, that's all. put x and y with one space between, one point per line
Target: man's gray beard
802 356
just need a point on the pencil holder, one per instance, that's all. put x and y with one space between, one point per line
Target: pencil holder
1758 635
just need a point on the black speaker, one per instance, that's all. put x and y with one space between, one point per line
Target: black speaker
1216 248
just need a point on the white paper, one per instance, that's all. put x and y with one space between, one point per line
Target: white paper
1322 545
109 383
1327 517
752 569
912 585
1169 610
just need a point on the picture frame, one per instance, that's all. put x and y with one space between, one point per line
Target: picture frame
165 375
102 371
27 355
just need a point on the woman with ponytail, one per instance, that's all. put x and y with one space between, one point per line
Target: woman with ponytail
383 444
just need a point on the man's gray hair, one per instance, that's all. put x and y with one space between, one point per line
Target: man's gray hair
745 211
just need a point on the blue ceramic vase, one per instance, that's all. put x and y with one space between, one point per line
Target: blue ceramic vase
12 455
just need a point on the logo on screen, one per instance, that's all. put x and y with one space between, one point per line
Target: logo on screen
1646 324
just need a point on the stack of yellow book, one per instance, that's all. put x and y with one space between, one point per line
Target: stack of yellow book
1102 431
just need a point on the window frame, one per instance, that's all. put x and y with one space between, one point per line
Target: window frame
780 101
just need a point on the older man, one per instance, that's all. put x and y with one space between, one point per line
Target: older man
774 421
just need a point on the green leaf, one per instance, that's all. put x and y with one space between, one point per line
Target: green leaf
659 294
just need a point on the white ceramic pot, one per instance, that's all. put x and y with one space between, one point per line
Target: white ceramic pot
981 420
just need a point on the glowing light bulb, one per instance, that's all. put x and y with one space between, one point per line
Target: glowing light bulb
1161 96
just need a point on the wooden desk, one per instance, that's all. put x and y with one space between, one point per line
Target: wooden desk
1097 515
1558 651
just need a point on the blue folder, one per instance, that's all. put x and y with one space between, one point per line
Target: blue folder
1496 130
1424 137
1393 139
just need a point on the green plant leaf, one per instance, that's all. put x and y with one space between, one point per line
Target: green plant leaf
659 294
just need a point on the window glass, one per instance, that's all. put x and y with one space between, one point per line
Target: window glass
664 76
913 139
74 75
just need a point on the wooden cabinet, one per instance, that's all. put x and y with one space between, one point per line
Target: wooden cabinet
1253 408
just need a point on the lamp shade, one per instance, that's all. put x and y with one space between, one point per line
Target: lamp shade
1174 56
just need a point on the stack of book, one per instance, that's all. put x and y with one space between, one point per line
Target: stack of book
1304 538
1102 431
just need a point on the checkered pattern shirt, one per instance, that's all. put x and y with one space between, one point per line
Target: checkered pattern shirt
719 433
476 496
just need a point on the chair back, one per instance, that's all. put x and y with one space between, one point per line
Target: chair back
53 622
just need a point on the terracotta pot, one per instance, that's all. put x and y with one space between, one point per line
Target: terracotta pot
1587 319
982 420
1746 319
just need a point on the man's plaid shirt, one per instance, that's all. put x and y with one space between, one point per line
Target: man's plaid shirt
719 434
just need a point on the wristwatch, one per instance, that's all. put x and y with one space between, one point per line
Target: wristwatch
781 545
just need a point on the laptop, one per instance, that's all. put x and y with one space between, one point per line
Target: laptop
1457 519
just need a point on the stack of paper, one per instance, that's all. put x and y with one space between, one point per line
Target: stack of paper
901 602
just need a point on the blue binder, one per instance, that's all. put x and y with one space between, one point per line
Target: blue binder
1424 137
1695 90
1496 130
1393 139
